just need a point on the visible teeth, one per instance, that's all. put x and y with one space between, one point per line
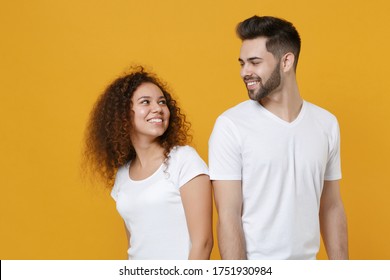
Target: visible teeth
251 83
155 120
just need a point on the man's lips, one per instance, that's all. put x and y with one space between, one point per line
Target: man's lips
252 84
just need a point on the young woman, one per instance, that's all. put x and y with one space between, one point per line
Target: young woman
136 141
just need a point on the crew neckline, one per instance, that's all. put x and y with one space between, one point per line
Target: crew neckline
147 178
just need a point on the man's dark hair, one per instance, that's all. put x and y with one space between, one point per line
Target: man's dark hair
282 37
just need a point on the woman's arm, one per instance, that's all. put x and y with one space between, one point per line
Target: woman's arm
197 203
127 236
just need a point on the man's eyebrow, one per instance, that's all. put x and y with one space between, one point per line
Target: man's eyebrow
254 58
250 59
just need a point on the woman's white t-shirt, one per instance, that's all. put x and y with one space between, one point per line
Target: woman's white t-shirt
152 208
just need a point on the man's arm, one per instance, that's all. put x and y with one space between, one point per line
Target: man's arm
228 199
333 222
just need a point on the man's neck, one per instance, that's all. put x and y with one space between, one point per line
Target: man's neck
285 104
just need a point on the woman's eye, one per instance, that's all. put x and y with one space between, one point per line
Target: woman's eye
164 102
145 102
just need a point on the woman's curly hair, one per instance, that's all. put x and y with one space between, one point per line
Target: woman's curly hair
107 136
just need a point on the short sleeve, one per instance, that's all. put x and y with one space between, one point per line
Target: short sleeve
225 160
188 165
120 176
114 191
333 166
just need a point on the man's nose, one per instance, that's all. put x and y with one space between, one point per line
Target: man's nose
246 70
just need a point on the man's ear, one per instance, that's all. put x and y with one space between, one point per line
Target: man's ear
287 62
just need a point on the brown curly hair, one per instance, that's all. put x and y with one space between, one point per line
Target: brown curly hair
107 136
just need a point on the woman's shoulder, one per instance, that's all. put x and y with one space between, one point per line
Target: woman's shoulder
184 163
122 171
182 151
185 155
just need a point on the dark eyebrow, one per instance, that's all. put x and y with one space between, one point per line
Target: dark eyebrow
250 59
148 97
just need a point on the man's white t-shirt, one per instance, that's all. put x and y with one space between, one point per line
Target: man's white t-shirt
152 208
282 167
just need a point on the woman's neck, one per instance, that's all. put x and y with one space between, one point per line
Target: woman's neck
149 158
148 153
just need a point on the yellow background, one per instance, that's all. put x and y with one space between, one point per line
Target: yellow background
57 56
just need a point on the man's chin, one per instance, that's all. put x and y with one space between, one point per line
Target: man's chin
253 96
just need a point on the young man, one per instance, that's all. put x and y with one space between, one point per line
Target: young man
275 159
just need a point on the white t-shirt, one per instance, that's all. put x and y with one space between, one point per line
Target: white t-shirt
152 208
282 167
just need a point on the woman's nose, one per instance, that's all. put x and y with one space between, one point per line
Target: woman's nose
156 108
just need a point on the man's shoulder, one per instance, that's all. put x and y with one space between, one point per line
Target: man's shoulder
320 112
325 119
239 109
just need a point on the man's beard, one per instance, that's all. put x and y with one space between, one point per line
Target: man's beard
270 85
